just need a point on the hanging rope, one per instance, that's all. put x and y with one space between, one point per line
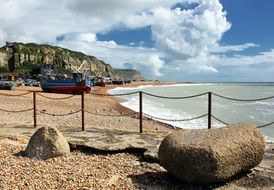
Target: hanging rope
223 122
124 94
258 126
170 97
174 120
243 100
62 98
15 94
16 111
65 114
111 115
265 125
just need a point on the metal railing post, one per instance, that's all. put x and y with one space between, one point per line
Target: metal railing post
83 110
141 110
34 110
209 109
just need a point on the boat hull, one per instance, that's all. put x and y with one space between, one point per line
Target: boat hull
65 87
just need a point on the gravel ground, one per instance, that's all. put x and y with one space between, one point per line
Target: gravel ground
86 169
49 110
80 170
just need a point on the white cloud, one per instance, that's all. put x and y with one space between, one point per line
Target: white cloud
190 32
146 60
88 37
82 37
260 59
194 65
151 66
229 48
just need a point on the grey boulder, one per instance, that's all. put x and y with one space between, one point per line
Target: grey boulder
212 155
47 142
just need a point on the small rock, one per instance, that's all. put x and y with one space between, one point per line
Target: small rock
47 142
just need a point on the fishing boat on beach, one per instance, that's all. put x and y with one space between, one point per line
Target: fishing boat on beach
77 84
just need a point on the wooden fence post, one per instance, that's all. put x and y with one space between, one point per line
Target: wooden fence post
209 109
83 110
141 110
34 109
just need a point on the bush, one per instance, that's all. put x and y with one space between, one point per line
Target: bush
3 70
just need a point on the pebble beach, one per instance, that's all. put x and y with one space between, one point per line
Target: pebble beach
84 168
58 110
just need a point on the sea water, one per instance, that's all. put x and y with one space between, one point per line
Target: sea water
257 112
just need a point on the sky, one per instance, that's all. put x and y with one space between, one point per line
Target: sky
171 40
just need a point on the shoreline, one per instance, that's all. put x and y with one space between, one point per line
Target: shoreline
122 109
269 139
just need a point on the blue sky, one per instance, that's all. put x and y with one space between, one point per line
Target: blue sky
173 40
251 22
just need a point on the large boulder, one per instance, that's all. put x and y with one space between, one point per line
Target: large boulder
212 155
47 142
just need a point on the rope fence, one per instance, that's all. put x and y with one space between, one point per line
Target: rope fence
62 98
124 94
64 114
16 111
174 120
140 113
170 97
243 100
219 120
111 115
2 94
265 125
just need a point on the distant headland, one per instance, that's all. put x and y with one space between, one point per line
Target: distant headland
16 57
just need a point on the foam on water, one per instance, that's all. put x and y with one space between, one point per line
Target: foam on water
264 103
158 110
268 139
119 89
123 89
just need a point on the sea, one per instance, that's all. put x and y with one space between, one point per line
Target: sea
229 111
